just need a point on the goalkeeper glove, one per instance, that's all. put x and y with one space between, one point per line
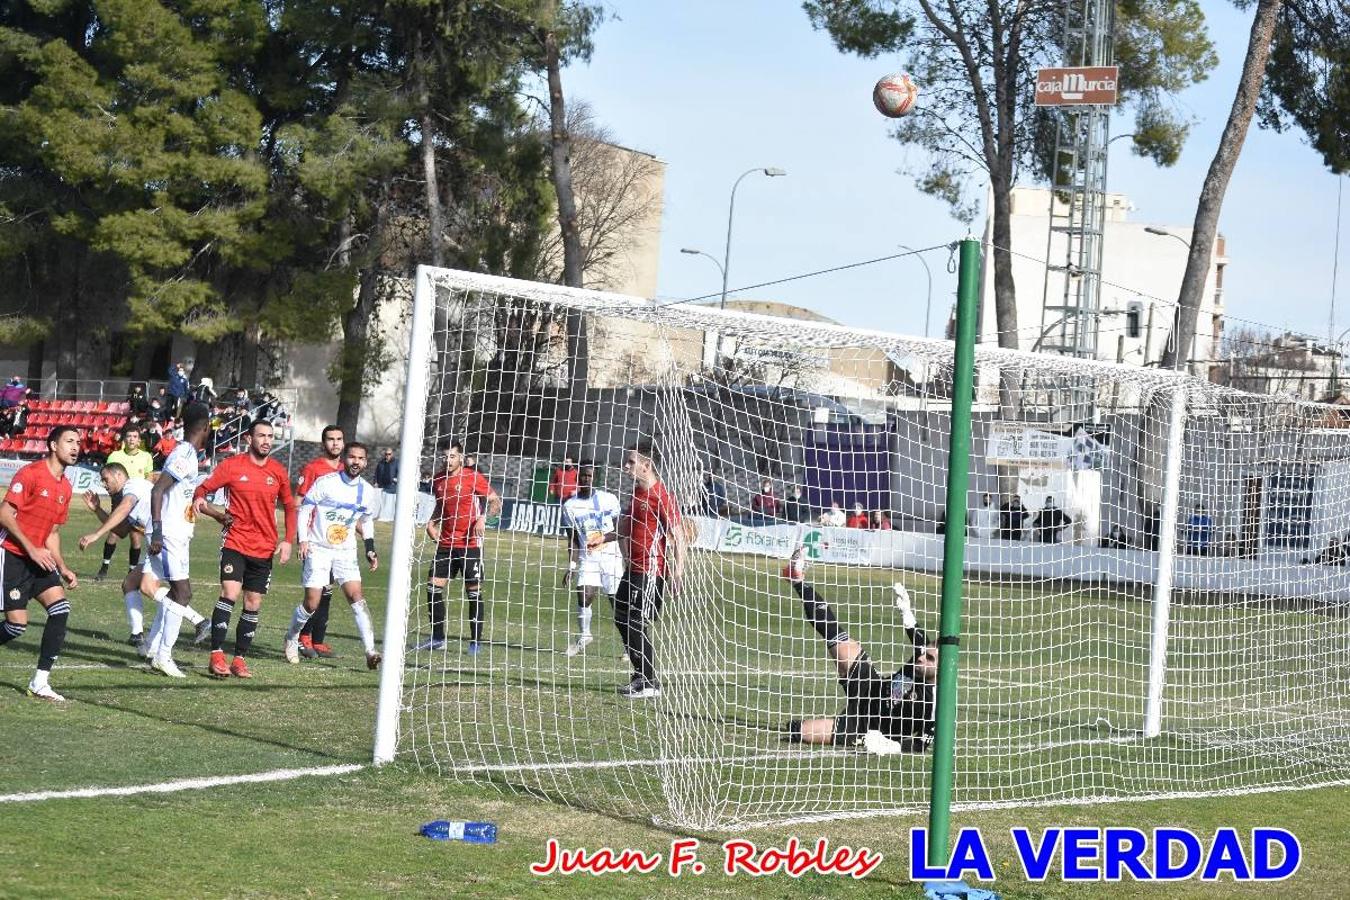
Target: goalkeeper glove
902 603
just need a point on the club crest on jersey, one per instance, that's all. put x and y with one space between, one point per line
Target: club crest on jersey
243 478
14 594
270 480
44 493
229 567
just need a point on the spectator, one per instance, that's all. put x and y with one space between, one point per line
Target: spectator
1229 545
764 505
984 520
880 521
163 447
1013 517
471 461
794 507
241 403
13 393
88 447
857 518
386 479
714 496
14 421
178 388
563 485
1050 522
1115 539
106 442
204 392
136 399
1335 554
834 516
158 411
1199 532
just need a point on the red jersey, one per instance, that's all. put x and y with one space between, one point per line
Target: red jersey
461 500
564 484
857 520
652 518
253 492
316 469
41 501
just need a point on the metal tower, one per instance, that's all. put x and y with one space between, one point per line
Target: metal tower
1070 302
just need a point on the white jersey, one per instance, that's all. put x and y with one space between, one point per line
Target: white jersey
138 489
177 517
332 508
588 515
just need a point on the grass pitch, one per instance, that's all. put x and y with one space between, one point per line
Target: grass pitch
353 834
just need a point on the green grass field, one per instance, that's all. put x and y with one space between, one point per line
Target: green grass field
522 703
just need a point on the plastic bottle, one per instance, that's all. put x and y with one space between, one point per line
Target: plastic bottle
471 832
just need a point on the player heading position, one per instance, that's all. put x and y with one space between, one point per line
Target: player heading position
463 503
35 506
901 707
139 466
328 461
594 562
173 522
330 513
254 485
653 541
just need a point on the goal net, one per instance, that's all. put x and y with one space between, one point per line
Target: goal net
1156 573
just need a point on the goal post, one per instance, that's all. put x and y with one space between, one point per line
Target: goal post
401 574
1152 602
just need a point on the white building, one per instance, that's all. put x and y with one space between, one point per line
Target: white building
1141 275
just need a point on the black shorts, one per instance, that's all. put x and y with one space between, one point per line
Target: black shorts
457 562
22 580
642 591
870 708
254 572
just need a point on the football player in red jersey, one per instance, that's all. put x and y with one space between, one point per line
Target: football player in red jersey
329 460
254 485
31 567
653 540
464 501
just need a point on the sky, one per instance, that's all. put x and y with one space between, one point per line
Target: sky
716 87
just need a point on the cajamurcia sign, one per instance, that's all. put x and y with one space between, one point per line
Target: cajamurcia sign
1077 86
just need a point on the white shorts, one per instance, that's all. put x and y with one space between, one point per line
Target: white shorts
171 563
603 572
323 566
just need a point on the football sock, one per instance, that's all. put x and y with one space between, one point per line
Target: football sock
135 616
109 548
436 606
475 598
173 623
298 620
133 555
53 635
220 622
584 619
10 630
819 614
362 616
244 631
793 732
318 623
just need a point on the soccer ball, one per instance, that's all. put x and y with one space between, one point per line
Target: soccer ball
894 95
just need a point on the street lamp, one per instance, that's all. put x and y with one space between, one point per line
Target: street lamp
1163 232
692 252
928 306
771 172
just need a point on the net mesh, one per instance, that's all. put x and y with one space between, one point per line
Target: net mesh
836 422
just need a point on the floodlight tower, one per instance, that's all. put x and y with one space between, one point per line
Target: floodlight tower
1071 296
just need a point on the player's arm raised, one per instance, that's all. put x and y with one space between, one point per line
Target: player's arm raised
9 522
110 520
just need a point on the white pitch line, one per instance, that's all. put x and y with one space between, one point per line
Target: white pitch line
187 784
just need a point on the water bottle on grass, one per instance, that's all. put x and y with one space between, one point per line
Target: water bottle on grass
470 832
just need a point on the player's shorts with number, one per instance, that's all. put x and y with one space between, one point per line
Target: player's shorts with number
169 564
457 562
601 570
323 566
253 572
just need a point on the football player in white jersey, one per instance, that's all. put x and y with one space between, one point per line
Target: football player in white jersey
331 511
130 513
173 521
595 561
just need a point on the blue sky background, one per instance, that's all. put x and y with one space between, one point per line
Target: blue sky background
715 87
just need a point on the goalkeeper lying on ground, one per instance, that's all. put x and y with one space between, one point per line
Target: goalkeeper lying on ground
886 714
